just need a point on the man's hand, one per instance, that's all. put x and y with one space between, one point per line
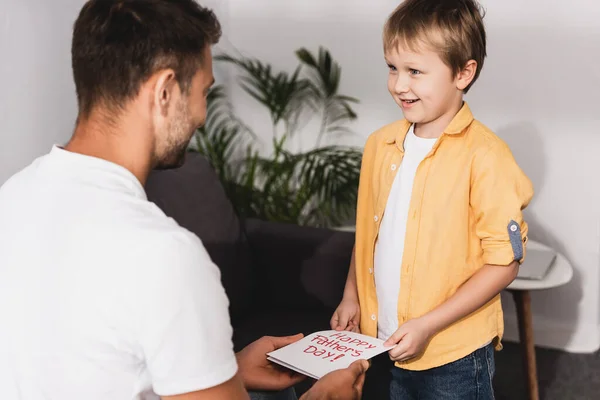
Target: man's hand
343 384
346 316
258 373
411 337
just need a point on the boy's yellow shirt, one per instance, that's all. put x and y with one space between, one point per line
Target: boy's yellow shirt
465 212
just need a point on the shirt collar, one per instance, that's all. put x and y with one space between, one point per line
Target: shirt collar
100 171
459 123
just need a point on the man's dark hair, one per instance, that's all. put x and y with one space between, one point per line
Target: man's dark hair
118 44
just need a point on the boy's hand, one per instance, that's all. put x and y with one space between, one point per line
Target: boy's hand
411 337
346 316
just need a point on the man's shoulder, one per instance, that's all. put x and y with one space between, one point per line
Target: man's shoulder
22 177
161 233
140 229
165 253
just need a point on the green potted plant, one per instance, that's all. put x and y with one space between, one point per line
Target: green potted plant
317 187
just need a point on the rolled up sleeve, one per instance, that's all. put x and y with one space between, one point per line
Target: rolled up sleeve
500 191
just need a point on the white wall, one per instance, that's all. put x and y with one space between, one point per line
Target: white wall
539 90
37 102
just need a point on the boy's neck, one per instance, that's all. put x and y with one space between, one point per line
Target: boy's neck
434 129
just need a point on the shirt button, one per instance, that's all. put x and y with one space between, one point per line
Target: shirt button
513 228
373 317
393 167
376 218
370 270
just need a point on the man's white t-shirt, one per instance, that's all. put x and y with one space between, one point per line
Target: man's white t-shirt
102 296
390 242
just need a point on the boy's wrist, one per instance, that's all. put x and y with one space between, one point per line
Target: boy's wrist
350 296
350 292
432 322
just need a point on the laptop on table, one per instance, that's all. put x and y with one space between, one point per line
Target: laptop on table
537 263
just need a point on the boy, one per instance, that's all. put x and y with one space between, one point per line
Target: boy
439 231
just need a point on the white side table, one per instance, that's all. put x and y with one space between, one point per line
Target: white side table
559 274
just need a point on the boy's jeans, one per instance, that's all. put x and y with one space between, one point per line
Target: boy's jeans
469 378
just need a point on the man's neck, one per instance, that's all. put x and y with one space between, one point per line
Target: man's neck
121 143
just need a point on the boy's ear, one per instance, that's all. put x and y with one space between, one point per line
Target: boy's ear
466 75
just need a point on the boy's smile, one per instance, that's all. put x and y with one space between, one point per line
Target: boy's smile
424 88
407 103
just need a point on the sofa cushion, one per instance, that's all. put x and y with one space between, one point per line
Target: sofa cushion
195 198
300 267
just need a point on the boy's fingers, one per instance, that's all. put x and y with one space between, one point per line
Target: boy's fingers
398 351
334 320
403 356
395 338
343 321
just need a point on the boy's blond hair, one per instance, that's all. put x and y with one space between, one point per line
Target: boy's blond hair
452 28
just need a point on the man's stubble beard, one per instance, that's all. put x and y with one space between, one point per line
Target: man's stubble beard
178 139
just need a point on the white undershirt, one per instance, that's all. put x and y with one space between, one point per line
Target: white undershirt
390 243
102 296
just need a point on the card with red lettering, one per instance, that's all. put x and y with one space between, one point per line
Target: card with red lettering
322 352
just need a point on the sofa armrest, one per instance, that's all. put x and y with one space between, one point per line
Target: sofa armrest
299 267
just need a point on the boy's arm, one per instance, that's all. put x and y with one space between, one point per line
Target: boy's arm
474 294
483 286
350 290
499 193
347 315
364 184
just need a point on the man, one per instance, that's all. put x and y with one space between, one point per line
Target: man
101 295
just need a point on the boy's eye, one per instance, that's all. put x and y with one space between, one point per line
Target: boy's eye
391 67
414 71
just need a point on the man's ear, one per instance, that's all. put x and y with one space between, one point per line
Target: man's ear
466 75
164 90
